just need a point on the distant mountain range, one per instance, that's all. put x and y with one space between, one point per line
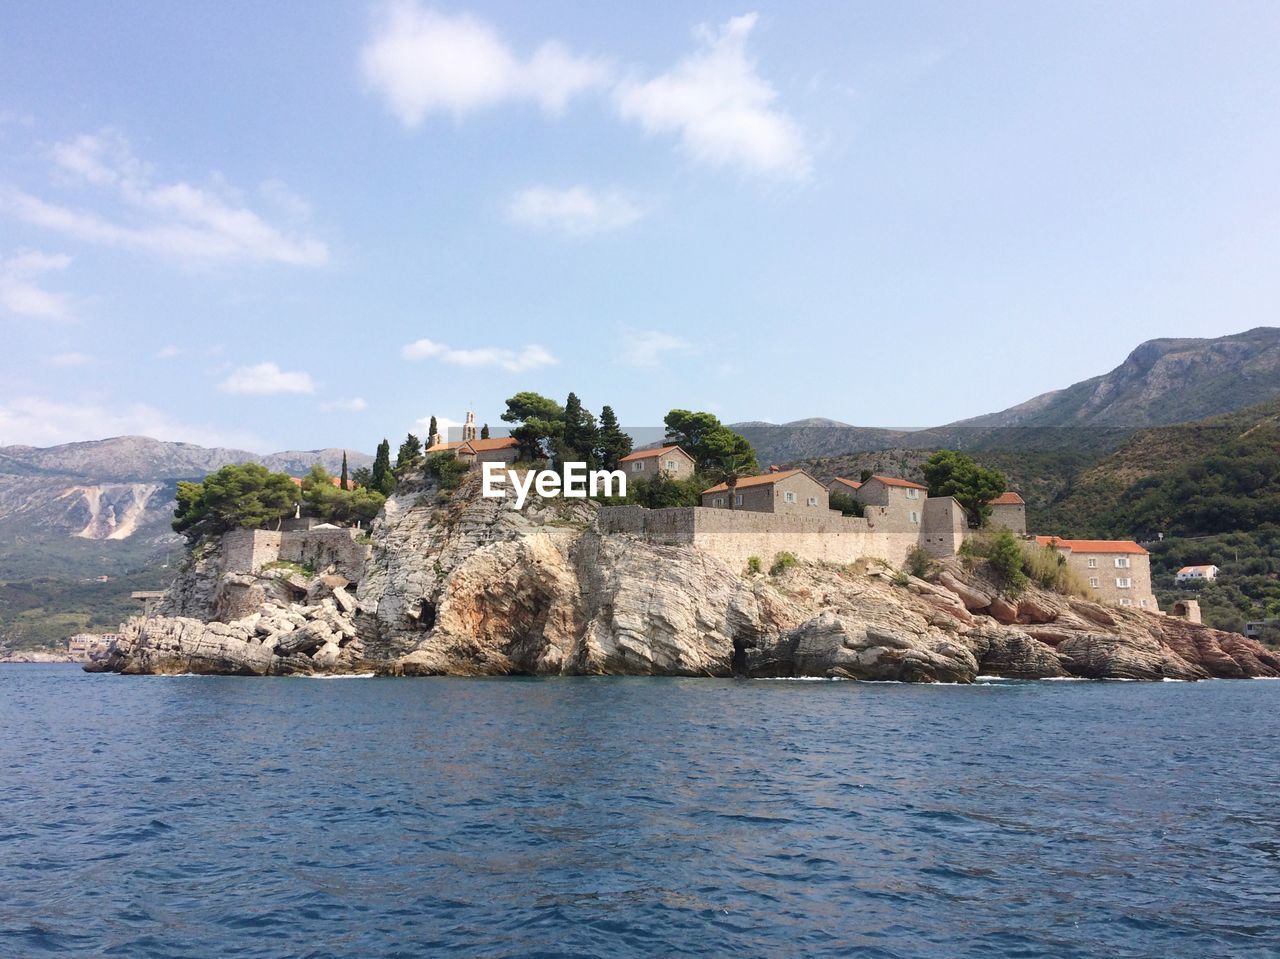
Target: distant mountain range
1161 382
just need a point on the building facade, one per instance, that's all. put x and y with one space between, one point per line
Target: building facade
785 491
1197 574
669 461
1009 511
1115 571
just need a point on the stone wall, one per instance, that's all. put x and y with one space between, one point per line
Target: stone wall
944 526
248 550
1104 574
1011 516
735 536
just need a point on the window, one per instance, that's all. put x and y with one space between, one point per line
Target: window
1093 562
1093 581
915 517
1143 604
737 500
1123 582
717 501
1122 562
1126 602
637 466
789 496
813 501
672 465
913 494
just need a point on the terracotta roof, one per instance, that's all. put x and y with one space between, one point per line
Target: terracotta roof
651 452
1007 499
335 480
764 479
895 481
1191 569
444 447
1093 545
852 484
486 446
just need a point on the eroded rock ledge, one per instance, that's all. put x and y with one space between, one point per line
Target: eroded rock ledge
469 586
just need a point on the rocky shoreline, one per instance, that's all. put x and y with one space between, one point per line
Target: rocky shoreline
463 586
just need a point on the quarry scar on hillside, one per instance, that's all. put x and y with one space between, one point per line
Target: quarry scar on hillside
575 481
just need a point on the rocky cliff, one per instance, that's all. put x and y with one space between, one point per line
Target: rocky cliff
459 585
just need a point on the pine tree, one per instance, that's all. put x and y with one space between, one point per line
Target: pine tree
484 431
409 455
344 479
612 443
382 479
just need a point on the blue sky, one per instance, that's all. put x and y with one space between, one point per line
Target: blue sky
293 225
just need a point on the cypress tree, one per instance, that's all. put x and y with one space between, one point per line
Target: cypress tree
344 478
431 431
580 436
484 431
382 479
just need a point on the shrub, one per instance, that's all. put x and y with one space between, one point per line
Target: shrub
446 469
901 579
847 505
1005 557
918 562
754 565
1046 567
783 561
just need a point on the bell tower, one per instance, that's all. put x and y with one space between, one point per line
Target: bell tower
469 427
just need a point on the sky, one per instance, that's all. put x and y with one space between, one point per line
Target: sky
298 225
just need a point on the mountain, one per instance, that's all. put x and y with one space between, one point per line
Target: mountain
1162 381
73 514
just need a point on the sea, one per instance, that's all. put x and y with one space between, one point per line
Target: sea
196 816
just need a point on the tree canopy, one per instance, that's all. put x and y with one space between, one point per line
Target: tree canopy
950 473
381 478
538 422
239 495
579 436
707 440
335 505
612 443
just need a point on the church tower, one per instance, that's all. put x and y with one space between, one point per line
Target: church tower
469 427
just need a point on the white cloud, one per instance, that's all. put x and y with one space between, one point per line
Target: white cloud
169 352
723 111
424 62
647 348
20 291
38 422
197 224
577 211
447 427
530 357
70 359
266 379
353 405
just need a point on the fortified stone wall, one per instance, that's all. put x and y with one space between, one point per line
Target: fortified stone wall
944 526
737 535
248 550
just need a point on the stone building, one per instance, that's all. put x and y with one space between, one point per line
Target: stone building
1197 574
321 547
783 491
502 449
1009 511
846 486
669 461
1115 571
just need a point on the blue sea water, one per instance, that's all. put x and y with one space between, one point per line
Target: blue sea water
203 816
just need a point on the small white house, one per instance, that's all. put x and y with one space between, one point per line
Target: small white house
1197 574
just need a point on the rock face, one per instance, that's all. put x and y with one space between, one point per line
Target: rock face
460 585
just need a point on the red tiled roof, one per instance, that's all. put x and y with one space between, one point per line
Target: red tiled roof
852 484
895 481
1191 569
1093 545
444 447
650 453
335 480
488 446
764 479
1007 499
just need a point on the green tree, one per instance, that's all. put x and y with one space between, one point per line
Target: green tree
612 443
345 478
539 422
703 437
240 495
1005 556
362 476
484 431
865 475
580 435
409 455
950 473
847 505
335 505
432 429
382 479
